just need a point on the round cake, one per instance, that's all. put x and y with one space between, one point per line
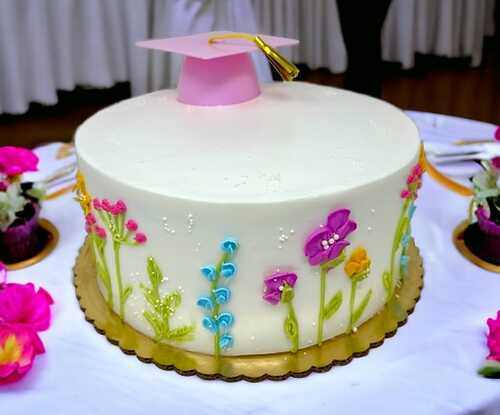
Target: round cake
255 228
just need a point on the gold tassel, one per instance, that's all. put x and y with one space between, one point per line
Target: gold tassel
285 68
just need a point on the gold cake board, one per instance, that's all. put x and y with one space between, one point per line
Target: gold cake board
334 352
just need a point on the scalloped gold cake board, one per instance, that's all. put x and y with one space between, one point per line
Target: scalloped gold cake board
337 351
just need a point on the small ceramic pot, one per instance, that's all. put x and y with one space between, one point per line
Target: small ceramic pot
21 240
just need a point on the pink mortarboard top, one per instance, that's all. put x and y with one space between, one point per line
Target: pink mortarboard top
215 73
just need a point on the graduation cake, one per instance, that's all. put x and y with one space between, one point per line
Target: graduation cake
230 218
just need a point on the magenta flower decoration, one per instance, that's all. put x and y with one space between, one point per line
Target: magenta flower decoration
486 225
18 349
495 161
122 232
3 274
491 367
274 285
17 160
23 307
325 247
327 242
278 288
496 134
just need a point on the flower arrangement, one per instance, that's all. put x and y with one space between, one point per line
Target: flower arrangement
357 268
491 368
325 247
216 321
162 309
24 312
19 205
122 232
482 236
279 289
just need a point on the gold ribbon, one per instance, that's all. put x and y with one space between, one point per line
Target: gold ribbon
285 68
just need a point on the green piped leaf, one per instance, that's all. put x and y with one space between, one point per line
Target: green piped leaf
361 308
387 280
126 294
154 272
333 305
152 298
170 303
155 324
180 334
290 327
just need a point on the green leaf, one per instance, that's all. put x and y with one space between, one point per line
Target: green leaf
327 266
490 370
359 311
401 230
126 294
155 324
387 281
290 327
180 334
151 298
170 303
333 305
103 275
154 272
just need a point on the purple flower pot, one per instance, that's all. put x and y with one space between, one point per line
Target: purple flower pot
22 239
483 240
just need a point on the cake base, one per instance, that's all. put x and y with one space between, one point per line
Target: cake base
278 366
458 240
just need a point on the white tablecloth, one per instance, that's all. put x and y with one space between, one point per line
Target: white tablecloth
429 367
50 45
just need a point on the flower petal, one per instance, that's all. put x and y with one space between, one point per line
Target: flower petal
335 250
272 296
313 242
346 229
337 218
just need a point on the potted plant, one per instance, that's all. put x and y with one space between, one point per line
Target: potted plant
20 236
482 236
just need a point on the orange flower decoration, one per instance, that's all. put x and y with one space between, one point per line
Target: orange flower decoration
358 263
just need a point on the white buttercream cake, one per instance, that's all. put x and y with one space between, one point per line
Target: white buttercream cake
261 227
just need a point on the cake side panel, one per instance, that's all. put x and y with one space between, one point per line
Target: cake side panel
182 236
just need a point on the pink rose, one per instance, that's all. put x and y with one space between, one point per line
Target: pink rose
24 308
17 160
18 349
494 338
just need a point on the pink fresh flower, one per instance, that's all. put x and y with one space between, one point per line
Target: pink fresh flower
17 160
327 242
107 205
497 133
494 338
3 185
132 225
100 232
90 219
495 161
275 283
140 238
18 349
3 274
23 307
97 204
120 207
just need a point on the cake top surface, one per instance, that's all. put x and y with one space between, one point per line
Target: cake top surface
295 140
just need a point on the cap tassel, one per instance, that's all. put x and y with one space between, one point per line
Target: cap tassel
285 68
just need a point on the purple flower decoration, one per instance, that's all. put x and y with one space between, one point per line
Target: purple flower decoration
275 283
327 242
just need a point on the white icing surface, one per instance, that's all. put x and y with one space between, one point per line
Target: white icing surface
295 141
303 151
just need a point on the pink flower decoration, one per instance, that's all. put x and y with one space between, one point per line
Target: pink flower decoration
100 232
497 133
486 225
140 238
275 283
17 160
90 219
97 204
495 161
3 185
327 242
107 205
120 207
23 307
3 274
494 338
132 225
405 194
18 349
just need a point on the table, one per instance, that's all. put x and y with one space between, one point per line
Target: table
429 367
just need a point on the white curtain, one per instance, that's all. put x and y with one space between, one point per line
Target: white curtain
50 45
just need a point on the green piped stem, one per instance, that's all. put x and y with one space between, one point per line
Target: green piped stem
352 299
397 240
104 263
293 316
118 271
322 290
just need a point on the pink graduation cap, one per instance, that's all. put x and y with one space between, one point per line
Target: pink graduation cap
218 69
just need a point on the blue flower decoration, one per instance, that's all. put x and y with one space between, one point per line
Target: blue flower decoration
226 341
222 295
225 320
406 240
208 272
206 303
229 245
210 324
228 269
411 210
404 261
